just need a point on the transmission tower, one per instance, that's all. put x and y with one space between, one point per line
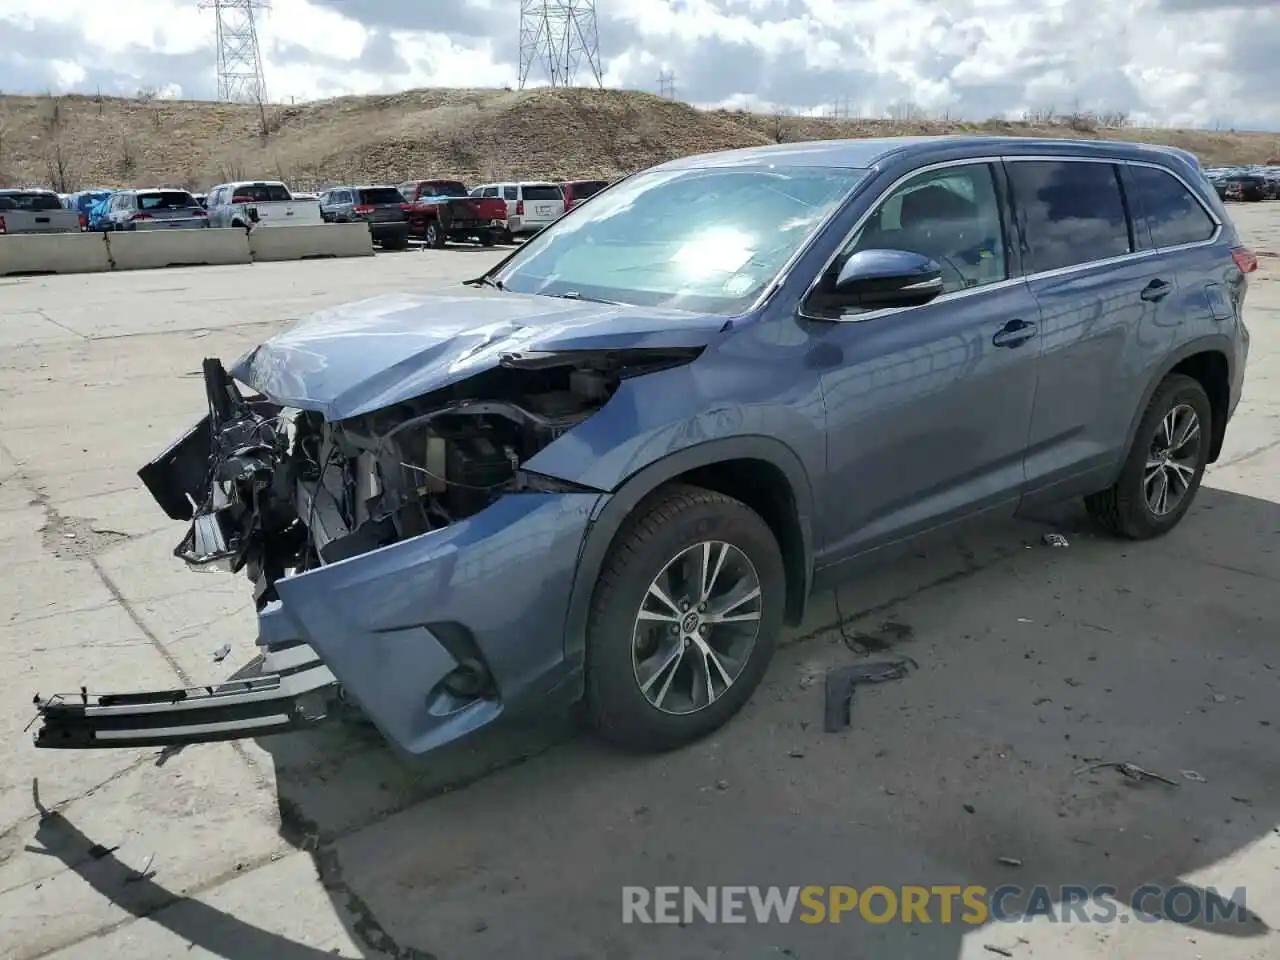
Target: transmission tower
239 56
667 84
560 35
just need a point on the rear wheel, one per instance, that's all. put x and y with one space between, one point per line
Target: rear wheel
684 619
486 238
508 237
397 242
1162 474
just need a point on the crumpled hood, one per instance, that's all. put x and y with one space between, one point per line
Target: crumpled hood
363 356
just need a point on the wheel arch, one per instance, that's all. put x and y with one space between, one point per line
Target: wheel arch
1208 361
762 472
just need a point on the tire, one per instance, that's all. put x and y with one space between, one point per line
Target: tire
663 527
433 235
395 243
486 238
1124 509
508 237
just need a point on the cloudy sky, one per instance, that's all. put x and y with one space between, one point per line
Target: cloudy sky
1181 62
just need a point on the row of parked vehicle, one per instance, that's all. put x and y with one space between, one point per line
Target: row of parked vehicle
434 211
1246 184
438 211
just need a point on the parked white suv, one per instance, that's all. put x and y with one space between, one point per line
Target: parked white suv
531 205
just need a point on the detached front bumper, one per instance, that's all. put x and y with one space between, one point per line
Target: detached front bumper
433 637
267 698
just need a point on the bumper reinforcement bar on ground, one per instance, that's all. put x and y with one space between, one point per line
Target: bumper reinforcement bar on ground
246 706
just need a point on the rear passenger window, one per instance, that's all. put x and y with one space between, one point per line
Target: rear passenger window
1072 212
510 193
1173 213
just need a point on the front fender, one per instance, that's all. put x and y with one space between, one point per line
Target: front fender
612 511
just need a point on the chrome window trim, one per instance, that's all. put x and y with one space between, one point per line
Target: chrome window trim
1001 284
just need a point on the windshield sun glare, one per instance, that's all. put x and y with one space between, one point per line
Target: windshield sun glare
708 239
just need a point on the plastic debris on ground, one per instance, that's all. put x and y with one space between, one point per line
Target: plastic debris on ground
841 682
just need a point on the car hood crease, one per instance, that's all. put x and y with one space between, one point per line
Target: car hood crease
359 357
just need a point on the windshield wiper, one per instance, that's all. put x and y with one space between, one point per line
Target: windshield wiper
485 281
575 295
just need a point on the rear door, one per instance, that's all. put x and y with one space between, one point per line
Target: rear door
167 210
1183 230
1102 291
543 203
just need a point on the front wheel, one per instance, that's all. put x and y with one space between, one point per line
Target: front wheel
433 235
684 619
1162 474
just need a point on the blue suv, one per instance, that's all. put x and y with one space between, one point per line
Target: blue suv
613 466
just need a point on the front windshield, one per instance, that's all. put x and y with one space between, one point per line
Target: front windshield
707 240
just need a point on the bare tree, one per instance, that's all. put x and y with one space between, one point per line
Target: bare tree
780 125
128 158
52 112
61 176
1114 119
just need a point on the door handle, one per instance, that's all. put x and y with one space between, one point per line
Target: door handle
1014 334
1156 291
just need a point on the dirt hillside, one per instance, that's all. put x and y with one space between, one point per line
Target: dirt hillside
71 142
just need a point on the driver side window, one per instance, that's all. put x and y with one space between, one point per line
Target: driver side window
951 216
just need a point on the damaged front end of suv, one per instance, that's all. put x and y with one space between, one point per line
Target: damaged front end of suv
380 524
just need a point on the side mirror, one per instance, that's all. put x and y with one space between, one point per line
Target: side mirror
888 278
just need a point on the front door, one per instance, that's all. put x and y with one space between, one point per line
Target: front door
928 407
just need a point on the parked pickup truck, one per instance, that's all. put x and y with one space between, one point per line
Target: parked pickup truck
37 211
259 203
441 210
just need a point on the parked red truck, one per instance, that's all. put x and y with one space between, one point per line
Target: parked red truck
441 210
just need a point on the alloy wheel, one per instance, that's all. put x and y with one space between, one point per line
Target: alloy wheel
696 627
1173 460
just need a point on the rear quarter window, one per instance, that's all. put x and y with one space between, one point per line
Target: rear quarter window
1173 213
1071 212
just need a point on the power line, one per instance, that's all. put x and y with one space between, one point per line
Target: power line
667 84
240 78
560 35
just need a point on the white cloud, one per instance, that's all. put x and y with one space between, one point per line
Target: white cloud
1192 62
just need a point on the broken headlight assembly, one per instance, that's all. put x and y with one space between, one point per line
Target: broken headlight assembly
288 490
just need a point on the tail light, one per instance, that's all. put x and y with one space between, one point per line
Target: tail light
141 216
241 199
363 209
1245 259
84 221
519 208
3 228
199 212
406 207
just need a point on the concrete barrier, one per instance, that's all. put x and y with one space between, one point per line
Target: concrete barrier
144 249
312 241
53 253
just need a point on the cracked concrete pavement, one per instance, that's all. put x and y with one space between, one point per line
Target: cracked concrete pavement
1033 663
